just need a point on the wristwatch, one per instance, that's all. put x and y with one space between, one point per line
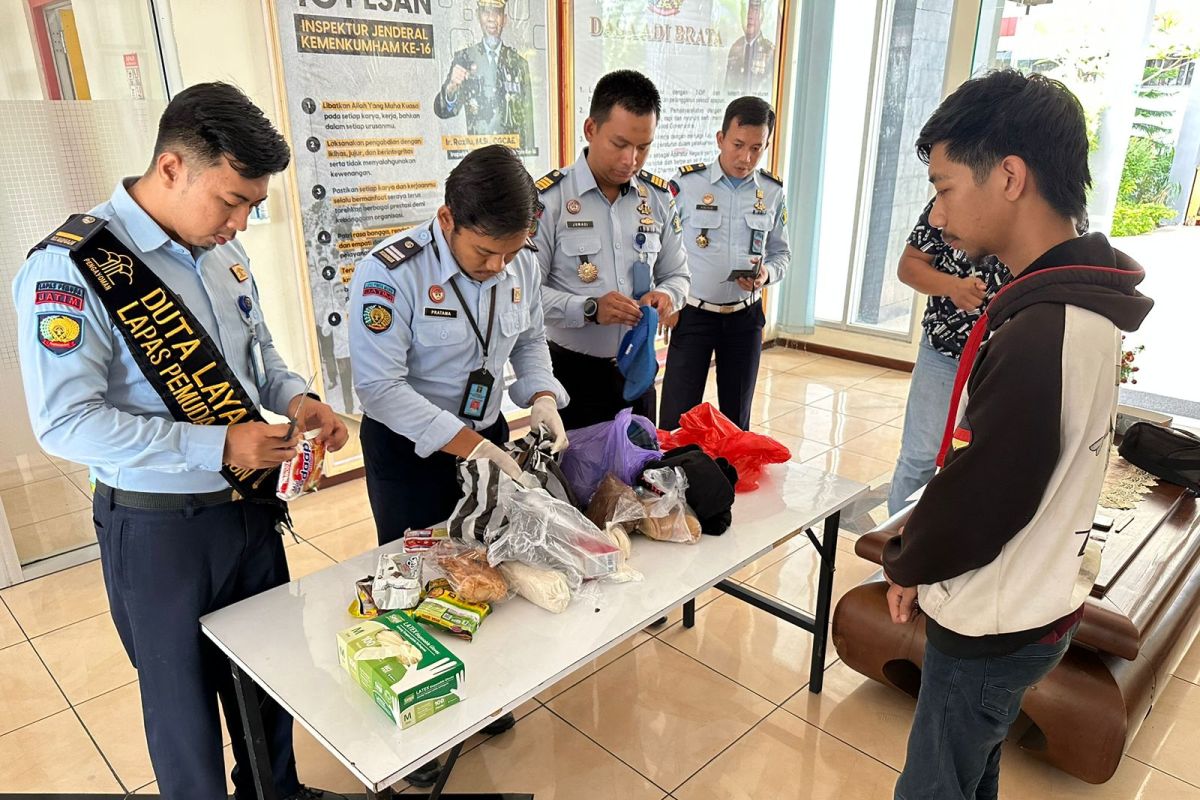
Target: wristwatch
591 307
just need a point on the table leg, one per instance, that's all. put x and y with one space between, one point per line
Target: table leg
689 614
256 737
828 553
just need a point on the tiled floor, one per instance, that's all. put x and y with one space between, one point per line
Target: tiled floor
718 711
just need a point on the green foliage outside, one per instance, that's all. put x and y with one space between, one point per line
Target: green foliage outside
1146 186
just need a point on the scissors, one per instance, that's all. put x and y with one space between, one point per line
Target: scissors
299 407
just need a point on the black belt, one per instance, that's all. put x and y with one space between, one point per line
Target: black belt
159 501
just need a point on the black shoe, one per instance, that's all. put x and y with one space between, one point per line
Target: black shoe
425 775
657 622
500 725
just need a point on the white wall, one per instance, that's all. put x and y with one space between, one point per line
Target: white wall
19 79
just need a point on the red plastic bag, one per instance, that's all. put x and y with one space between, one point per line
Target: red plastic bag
716 434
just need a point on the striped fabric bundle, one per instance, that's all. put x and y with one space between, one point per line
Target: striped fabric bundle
481 479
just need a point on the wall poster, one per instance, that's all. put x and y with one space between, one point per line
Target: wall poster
383 98
700 54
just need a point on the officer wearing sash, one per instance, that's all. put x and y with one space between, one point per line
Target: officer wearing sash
435 313
145 356
735 229
608 241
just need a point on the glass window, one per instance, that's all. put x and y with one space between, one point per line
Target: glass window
1132 63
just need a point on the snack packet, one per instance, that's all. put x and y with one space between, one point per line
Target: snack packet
397 581
470 575
363 605
302 472
444 610
419 540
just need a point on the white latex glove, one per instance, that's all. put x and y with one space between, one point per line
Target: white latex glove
497 456
415 676
545 412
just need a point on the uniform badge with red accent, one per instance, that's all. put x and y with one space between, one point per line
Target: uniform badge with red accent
961 438
60 333
574 206
436 293
59 293
240 273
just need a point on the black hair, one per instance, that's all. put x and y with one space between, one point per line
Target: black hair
210 120
749 110
628 89
490 192
1007 113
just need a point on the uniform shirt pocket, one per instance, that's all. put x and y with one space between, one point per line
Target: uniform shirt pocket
440 332
580 245
760 222
513 322
705 218
653 244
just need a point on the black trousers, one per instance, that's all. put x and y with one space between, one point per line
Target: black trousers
737 340
595 385
163 570
405 490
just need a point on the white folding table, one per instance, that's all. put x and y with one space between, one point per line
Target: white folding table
283 640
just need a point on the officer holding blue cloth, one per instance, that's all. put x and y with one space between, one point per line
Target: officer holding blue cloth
608 241
735 229
145 356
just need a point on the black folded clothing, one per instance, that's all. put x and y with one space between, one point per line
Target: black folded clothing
710 485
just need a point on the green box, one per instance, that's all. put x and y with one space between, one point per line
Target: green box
378 654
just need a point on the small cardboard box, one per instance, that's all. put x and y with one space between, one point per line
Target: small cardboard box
408 673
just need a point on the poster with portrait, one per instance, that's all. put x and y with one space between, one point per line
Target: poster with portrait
383 98
700 54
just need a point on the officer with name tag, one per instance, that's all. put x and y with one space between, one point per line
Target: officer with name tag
735 227
608 241
436 312
145 356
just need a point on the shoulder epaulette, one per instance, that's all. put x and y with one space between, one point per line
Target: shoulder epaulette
654 181
771 176
398 252
686 168
74 233
549 179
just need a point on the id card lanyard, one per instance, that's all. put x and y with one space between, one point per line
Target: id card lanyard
480 382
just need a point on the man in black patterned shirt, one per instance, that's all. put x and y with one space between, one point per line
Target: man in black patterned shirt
958 291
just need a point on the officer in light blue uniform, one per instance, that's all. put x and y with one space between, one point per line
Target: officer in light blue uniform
608 239
735 229
176 541
435 313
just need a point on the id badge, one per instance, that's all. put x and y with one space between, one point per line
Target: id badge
757 241
475 398
257 365
641 279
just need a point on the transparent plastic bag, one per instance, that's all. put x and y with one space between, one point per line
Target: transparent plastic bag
667 516
545 532
546 588
615 502
466 567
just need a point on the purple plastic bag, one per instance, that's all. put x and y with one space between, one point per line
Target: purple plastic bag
608 447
